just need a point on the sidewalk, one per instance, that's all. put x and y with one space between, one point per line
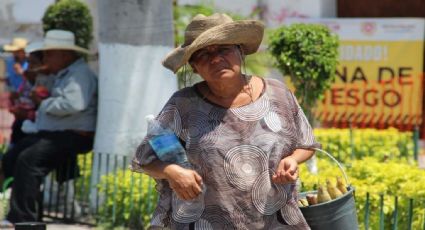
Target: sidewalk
57 226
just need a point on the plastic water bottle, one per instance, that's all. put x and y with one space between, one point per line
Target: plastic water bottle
165 143
168 148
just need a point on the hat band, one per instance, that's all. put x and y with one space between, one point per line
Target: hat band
59 42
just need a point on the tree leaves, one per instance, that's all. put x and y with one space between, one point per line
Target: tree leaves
308 53
71 15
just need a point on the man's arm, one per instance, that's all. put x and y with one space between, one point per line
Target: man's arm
73 97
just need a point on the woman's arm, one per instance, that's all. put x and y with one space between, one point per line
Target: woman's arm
186 183
302 155
287 170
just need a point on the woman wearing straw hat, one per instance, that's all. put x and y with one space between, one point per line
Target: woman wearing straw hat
243 135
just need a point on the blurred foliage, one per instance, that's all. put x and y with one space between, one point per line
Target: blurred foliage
308 53
85 163
71 15
130 199
381 144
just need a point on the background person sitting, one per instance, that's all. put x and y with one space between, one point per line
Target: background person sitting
16 66
15 69
66 122
23 106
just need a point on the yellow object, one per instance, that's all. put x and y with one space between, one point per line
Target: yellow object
322 195
333 190
388 88
17 44
340 184
302 203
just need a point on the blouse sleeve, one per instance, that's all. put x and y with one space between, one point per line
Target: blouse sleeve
305 136
144 153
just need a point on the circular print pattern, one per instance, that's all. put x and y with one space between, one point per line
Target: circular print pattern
217 217
202 224
170 115
267 197
254 111
272 121
184 211
199 128
243 164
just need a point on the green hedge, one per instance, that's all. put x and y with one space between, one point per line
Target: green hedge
381 144
130 199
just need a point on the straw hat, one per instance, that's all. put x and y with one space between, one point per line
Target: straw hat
17 44
58 40
216 29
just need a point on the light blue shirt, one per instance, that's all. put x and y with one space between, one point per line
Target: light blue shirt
72 104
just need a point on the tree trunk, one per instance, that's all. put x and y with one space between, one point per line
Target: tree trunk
134 36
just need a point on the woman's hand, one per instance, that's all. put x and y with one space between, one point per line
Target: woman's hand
185 182
286 172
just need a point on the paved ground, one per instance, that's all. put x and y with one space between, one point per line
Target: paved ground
67 227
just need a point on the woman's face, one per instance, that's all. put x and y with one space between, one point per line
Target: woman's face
216 62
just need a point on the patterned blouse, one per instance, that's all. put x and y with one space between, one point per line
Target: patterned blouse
235 151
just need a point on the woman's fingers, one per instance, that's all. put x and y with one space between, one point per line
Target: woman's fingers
282 177
188 187
198 178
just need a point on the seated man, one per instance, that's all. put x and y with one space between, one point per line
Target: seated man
66 122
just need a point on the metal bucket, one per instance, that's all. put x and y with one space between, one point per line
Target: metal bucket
337 214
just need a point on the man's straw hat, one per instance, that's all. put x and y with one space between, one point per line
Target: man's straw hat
217 29
17 44
58 40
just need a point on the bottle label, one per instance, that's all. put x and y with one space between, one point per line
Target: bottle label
168 148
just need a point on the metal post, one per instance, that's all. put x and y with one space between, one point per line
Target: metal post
415 142
410 218
381 212
352 142
395 213
366 216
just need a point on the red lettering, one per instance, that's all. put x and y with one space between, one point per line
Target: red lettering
403 75
353 94
365 97
335 95
391 94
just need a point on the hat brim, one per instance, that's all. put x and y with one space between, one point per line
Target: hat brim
248 34
33 46
73 48
11 48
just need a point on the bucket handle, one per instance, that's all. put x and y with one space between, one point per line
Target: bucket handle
6 183
337 162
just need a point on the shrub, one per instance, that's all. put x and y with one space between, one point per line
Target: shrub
308 53
130 199
381 144
71 15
